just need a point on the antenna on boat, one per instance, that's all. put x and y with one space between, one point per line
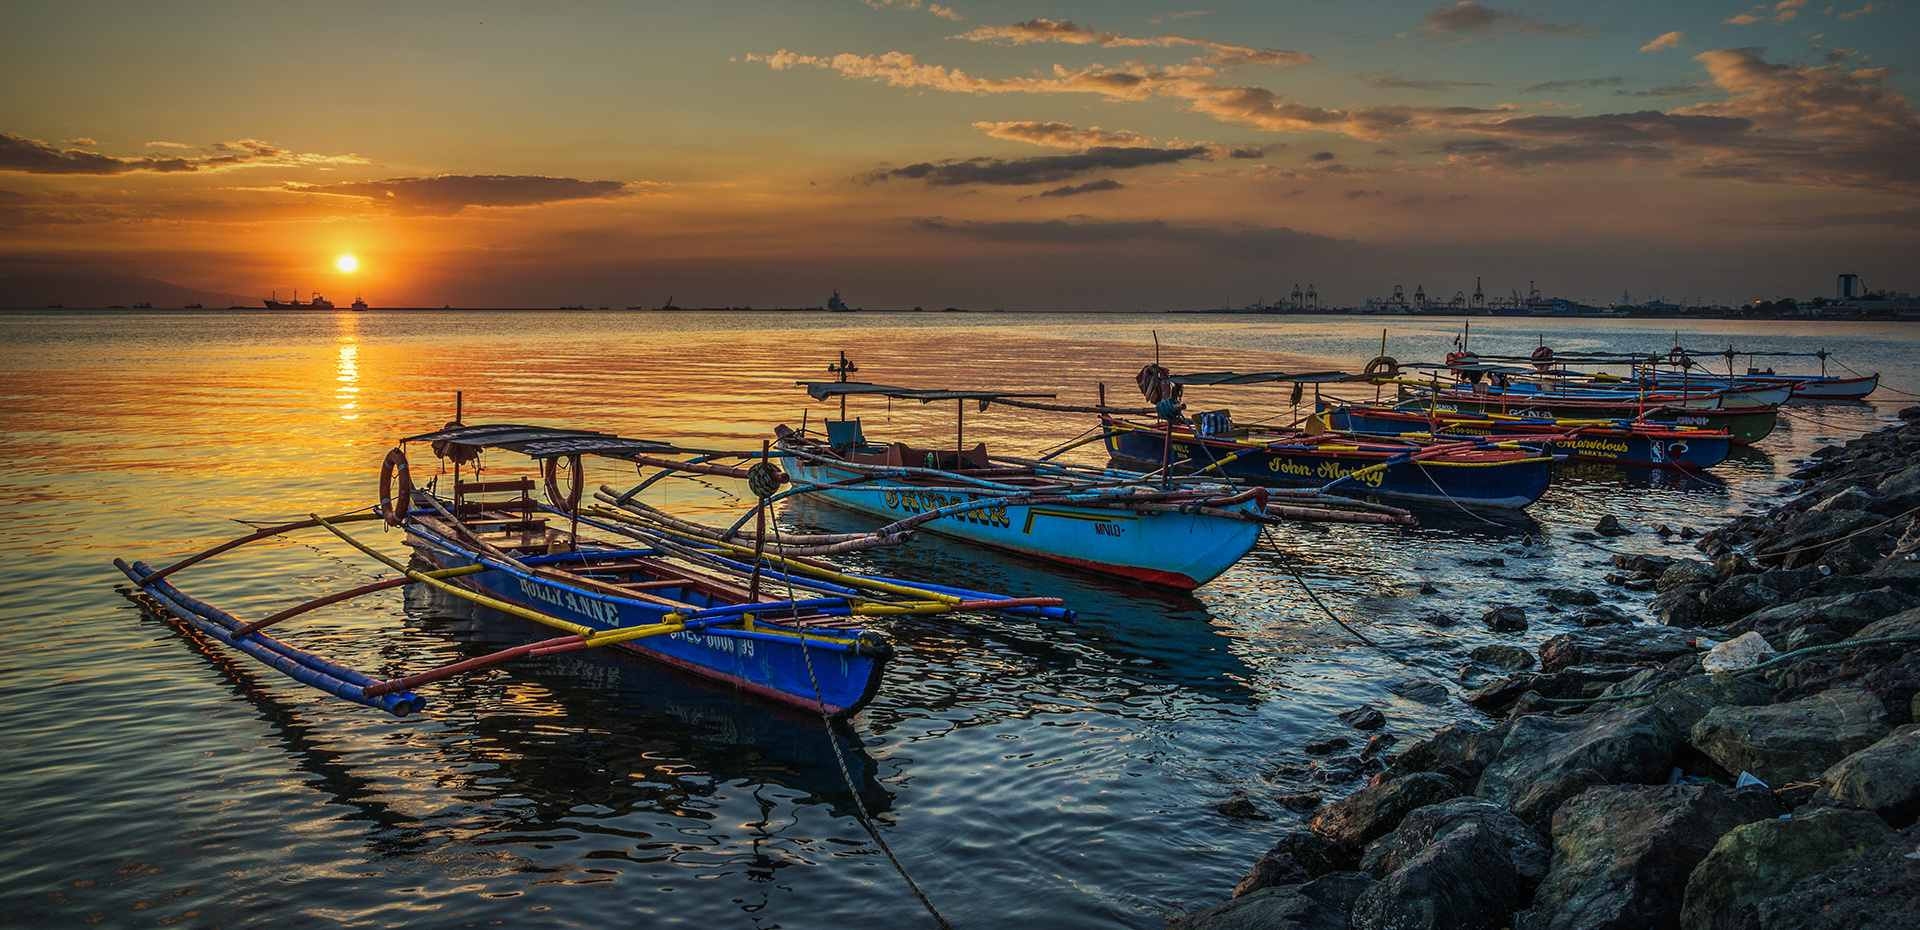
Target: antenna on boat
457 398
843 368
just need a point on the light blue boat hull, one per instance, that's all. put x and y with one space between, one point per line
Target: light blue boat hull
1181 550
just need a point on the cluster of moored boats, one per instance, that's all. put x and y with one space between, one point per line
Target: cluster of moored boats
1185 495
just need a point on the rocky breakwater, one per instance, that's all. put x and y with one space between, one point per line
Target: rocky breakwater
1746 757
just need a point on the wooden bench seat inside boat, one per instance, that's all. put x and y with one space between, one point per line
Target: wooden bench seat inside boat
506 524
899 454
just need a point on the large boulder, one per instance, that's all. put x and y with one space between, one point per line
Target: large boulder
1690 698
1846 614
1807 534
1793 741
1737 598
1904 623
1467 863
1890 671
1883 778
1622 853
1461 750
1296 857
1758 860
1502 656
1585 682
1374 811
1321 904
1878 891
1685 572
1545 760
1625 648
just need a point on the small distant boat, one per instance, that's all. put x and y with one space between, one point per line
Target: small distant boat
143 305
836 305
193 307
359 304
317 303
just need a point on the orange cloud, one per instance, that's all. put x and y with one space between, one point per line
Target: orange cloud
1468 21
1066 31
447 195
1254 107
1669 40
31 156
1063 135
934 8
1044 169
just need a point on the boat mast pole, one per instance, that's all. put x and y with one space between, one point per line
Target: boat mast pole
959 427
759 530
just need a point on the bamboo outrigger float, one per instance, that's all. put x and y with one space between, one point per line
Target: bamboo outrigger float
694 598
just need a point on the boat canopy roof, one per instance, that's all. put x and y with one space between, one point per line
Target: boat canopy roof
1572 358
1488 367
821 390
1267 377
1730 352
544 442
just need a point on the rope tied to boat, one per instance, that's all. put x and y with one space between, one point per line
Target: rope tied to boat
833 747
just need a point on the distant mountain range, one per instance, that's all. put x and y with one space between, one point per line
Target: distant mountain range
77 291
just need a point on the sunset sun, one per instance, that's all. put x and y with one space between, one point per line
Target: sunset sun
346 263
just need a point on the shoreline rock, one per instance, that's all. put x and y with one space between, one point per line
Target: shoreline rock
1779 791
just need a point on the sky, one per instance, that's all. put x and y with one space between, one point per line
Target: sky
1033 155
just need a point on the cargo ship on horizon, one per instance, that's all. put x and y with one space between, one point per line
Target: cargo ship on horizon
317 303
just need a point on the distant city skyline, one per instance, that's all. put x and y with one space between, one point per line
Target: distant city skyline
1027 156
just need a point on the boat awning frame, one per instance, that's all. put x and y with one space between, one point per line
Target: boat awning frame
1228 378
545 442
821 390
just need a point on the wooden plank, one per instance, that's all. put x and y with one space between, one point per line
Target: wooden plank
522 485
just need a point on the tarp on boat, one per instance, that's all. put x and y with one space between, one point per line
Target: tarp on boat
821 390
1269 377
542 442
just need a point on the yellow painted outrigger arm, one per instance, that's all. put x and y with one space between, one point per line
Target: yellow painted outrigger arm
593 637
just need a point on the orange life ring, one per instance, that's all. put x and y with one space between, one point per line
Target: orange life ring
550 470
394 508
1386 363
1543 358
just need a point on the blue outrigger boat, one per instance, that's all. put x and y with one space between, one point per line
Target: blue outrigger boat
1483 472
697 601
1617 441
1179 534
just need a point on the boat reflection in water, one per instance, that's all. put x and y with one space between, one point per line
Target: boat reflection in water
1130 638
626 724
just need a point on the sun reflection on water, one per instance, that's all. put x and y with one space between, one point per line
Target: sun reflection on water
349 378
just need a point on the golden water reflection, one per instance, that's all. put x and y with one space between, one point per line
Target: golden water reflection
349 378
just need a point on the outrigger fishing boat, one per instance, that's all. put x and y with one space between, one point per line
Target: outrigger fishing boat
1618 441
1820 387
1472 472
699 600
1176 533
1478 393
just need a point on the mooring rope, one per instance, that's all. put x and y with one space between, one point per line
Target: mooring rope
1877 386
846 776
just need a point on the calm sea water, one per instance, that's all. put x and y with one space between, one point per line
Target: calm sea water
1025 773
